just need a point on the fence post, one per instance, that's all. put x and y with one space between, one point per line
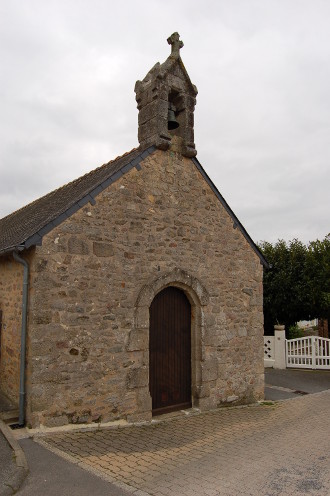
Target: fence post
313 352
280 359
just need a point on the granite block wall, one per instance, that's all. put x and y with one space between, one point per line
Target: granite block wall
95 275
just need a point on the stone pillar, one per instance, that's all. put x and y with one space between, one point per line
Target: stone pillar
280 360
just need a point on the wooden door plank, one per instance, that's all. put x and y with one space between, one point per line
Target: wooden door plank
170 351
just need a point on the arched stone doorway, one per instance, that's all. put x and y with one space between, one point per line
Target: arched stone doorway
170 351
198 298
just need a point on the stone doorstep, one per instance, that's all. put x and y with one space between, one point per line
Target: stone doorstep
179 413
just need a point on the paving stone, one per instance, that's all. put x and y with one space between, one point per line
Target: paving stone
279 450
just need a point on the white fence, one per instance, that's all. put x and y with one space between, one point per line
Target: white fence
311 352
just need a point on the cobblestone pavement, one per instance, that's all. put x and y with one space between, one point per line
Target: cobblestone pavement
266 450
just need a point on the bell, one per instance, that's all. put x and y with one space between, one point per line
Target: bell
172 123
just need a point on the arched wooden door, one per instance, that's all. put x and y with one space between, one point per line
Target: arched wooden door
170 351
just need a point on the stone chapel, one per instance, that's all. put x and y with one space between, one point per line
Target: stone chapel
134 290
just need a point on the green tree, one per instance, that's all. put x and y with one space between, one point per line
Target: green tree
318 275
296 287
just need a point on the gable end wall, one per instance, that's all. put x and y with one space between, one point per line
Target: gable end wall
88 350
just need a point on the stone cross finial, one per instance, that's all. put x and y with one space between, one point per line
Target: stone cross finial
176 43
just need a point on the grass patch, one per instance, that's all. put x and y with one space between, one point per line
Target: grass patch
267 403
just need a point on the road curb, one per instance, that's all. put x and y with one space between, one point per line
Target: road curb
20 460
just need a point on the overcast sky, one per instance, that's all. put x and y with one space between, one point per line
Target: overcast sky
262 119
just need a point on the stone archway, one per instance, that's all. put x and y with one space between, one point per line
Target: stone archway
139 335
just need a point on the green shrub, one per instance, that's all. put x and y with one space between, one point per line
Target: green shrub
294 332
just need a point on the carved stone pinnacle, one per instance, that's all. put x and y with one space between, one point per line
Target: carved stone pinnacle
176 44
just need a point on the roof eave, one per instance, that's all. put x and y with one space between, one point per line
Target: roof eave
35 239
11 249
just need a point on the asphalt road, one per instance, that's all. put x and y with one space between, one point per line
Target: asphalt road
7 467
290 383
53 476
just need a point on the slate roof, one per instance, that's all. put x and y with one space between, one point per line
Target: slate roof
27 226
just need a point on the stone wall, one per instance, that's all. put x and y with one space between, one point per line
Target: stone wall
11 283
95 275
165 87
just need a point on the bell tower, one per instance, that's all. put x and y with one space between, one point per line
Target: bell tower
166 100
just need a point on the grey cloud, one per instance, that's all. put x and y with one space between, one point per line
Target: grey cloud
261 123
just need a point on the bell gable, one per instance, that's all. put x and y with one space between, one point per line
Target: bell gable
166 101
